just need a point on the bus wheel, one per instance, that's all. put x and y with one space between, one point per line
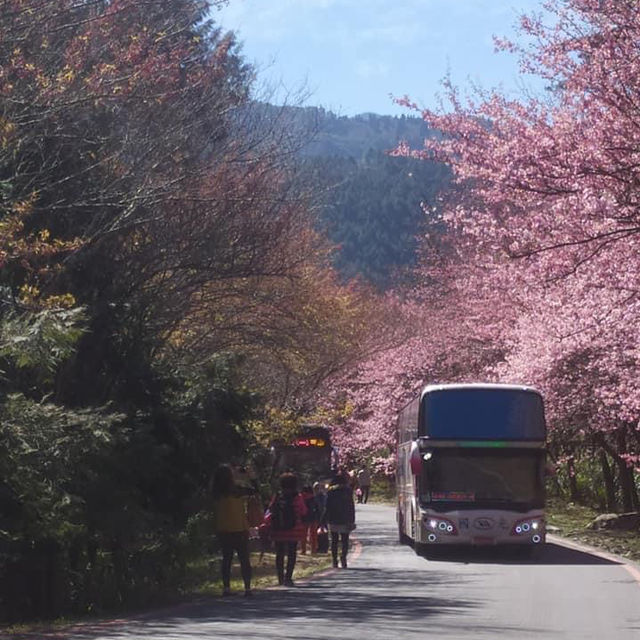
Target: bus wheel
526 552
421 549
429 551
534 552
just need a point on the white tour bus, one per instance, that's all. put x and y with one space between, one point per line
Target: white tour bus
471 466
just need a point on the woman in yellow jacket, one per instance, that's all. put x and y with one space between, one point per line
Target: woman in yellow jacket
232 526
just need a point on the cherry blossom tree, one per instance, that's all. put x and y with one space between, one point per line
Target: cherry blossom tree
440 334
543 221
546 200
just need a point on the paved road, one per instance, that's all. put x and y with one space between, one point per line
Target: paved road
389 593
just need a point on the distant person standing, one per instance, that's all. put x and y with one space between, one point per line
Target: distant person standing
287 511
320 494
311 520
340 516
352 479
364 482
322 537
232 525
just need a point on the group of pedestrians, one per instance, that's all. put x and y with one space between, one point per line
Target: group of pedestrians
292 517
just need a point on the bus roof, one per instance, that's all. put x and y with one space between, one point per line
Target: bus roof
430 388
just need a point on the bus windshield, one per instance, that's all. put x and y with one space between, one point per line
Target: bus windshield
483 414
483 478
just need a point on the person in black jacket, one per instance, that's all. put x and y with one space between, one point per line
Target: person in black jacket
340 516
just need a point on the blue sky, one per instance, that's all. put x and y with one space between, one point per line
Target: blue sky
349 55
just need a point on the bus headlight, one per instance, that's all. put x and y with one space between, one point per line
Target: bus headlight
528 526
440 525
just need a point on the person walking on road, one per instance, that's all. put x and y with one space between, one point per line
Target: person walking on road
287 511
364 482
232 525
340 516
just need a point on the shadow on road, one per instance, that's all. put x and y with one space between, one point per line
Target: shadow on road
386 589
357 595
549 554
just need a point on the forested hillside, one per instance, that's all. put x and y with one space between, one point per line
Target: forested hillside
354 137
373 206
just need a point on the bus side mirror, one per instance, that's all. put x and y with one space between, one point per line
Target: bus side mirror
415 459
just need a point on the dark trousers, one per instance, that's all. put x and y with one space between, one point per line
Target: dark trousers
237 541
344 545
290 549
365 493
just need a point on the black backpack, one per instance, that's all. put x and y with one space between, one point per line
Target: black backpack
283 515
313 512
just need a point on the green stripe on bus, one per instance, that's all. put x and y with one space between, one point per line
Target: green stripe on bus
494 444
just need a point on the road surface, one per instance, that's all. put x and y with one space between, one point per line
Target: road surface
388 593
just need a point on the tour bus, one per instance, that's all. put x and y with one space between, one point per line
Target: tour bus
470 467
310 455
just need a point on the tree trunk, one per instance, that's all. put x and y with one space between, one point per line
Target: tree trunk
633 487
609 482
625 485
573 482
630 482
626 479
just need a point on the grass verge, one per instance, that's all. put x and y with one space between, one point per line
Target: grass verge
203 580
570 521
264 573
